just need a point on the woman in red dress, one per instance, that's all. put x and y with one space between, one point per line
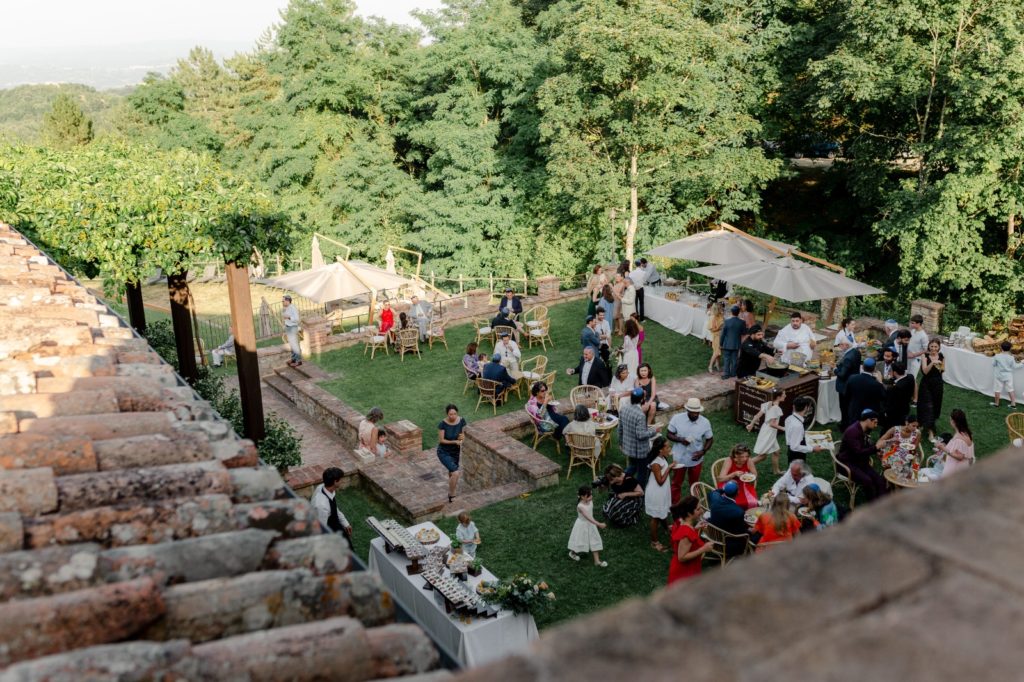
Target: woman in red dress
687 546
387 320
738 465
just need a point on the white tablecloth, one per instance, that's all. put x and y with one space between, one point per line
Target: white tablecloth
973 371
676 315
475 643
828 403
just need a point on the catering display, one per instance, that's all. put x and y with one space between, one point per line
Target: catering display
756 390
999 332
397 538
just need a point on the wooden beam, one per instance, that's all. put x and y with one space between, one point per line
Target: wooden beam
795 252
246 358
136 307
181 320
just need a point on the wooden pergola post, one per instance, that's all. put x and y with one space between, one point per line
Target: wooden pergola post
246 358
136 307
181 320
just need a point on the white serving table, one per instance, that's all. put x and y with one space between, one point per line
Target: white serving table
828 410
688 318
474 643
973 371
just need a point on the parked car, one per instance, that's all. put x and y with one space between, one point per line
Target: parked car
815 148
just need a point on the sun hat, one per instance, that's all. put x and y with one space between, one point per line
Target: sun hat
730 489
693 405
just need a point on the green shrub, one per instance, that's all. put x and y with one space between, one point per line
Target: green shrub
160 336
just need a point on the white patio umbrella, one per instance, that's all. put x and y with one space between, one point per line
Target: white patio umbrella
316 259
343 279
788 278
722 247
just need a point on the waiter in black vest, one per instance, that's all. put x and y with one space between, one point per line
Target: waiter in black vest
327 506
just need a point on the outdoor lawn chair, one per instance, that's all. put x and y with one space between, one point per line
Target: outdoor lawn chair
470 378
496 333
549 379
409 342
717 469
539 435
533 369
700 490
541 334
825 486
534 316
483 331
375 340
843 475
436 332
582 452
591 396
1015 425
490 391
718 537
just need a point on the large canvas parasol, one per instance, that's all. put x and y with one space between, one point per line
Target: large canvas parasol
789 279
722 247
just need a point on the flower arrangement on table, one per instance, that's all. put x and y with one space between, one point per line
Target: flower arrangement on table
902 459
520 594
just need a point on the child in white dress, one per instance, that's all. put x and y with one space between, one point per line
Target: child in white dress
768 437
658 495
584 536
467 534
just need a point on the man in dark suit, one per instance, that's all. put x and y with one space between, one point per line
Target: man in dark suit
898 397
495 371
902 341
591 370
732 332
501 320
863 391
589 337
847 367
510 304
727 515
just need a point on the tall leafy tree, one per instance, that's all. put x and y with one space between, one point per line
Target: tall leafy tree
66 125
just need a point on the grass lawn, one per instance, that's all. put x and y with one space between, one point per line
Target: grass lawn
419 388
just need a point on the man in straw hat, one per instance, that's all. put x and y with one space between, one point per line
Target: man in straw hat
691 435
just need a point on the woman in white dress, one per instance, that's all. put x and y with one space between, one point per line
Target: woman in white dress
658 495
768 437
620 388
584 536
630 355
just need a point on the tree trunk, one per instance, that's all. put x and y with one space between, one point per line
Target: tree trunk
136 307
634 207
181 320
245 351
1011 230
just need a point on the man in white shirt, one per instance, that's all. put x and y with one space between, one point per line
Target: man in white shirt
796 431
793 481
604 333
691 436
639 277
795 336
917 347
226 348
290 318
651 274
419 312
509 352
327 506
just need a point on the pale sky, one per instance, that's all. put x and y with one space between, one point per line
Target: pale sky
34 24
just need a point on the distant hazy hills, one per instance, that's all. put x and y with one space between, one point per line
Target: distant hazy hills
22 108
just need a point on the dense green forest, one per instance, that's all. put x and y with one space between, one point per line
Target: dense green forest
22 108
543 136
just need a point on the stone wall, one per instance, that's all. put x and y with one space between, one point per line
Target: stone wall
931 312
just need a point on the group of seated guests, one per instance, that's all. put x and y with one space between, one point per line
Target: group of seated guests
419 314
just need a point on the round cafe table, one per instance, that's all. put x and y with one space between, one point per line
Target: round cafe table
897 482
605 428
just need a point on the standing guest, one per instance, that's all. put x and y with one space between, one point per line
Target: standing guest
752 352
778 524
635 437
688 548
544 415
584 536
903 337
618 289
495 371
884 368
864 392
1003 365
916 349
891 327
768 437
657 496
369 432
630 339
747 313
226 348
732 333
623 268
595 284
591 370
626 500
929 393
818 501
419 312
856 450
607 303
646 381
715 323
651 275
639 277
471 361
387 320
691 432
847 367
846 336
467 534
622 385
589 336
583 425
290 319
509 352
326 504
791 484
898 397
959 451
449 446
796 431
639 338
726 514
510 304
739 464
796 337
604 334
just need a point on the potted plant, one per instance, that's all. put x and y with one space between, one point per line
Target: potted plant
456 547
476 568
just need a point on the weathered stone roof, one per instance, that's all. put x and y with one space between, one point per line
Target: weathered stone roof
139 536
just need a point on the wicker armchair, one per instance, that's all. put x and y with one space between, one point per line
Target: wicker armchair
496 333
470 378
375 340
843 475
490 392
717 469
533 317
533 368
408 342
549 379
541 334
717 538
1015 425
700 490
483 331
591 396
436 332
582 452
539 435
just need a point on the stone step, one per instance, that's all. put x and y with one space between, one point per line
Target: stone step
484 498
415 488
311 371
281 387
290 374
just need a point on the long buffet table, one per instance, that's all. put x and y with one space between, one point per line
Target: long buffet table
686 317
973 371
473 643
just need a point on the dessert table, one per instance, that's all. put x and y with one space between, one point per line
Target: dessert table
479 641
686 316
973 371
